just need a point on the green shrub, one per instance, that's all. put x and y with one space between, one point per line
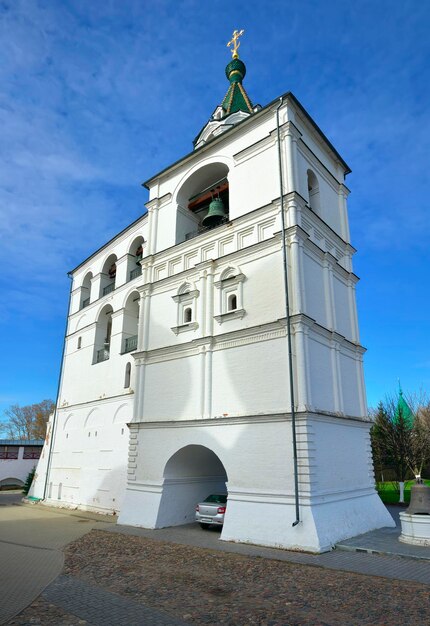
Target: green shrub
28 481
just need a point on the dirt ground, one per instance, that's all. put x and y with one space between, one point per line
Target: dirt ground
203 586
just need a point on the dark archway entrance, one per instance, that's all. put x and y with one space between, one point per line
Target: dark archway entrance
190 475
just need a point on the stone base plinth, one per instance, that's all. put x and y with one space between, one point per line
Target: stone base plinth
415 529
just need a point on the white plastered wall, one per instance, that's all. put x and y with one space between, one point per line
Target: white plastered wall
89 460
260 506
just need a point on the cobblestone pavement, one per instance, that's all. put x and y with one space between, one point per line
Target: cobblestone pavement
203 586
100 607
31 542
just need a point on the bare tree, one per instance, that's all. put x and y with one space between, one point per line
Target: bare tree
420 441
401 436
27 422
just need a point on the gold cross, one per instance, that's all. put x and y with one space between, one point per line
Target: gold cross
235 43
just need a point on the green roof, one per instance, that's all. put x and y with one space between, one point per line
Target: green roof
236 99
404 410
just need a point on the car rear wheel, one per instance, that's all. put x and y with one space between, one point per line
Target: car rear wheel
204 526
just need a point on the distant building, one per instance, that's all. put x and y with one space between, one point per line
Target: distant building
176 377
17 459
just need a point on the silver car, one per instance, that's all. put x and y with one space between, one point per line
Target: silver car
211 510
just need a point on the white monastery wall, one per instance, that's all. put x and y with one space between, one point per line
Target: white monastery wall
84 380
171 389
250 379
90 454
316 301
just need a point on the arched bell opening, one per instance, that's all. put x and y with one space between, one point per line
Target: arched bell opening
190 475
108 276
130 323
136 253
86 291
103 334
203 201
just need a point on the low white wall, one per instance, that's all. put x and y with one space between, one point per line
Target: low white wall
16 468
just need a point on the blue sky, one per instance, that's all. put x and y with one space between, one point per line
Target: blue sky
98 96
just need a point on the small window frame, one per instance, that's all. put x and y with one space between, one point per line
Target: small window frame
230 286
186 311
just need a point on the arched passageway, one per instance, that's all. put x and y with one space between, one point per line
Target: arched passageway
10 483
190 475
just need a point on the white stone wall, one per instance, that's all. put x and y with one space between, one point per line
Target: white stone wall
337 490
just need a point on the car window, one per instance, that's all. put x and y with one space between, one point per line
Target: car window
217 498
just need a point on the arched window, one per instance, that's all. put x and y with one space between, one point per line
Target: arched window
186 299
127 376
313 192
232 302
230 286
79 343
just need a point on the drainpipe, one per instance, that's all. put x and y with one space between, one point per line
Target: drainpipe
60 376
287 315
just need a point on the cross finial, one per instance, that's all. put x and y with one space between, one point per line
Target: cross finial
235 43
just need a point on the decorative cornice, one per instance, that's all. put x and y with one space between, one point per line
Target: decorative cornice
303 419
124 397
185 327
230 280
188 295
230 315
330 335
158 203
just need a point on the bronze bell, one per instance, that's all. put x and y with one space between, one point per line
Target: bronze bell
216 213
420 500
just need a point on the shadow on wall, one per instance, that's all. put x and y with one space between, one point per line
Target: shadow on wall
92 449
103 493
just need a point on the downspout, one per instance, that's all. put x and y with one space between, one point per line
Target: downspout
60 376
287 315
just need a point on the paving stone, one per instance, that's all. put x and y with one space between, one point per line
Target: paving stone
102 608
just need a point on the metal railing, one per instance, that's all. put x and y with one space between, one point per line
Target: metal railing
137 271
85 303
130 344
102 355
108 289
204 229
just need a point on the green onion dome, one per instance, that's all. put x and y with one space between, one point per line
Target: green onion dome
235 71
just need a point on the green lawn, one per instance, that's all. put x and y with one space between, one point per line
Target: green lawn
389 491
